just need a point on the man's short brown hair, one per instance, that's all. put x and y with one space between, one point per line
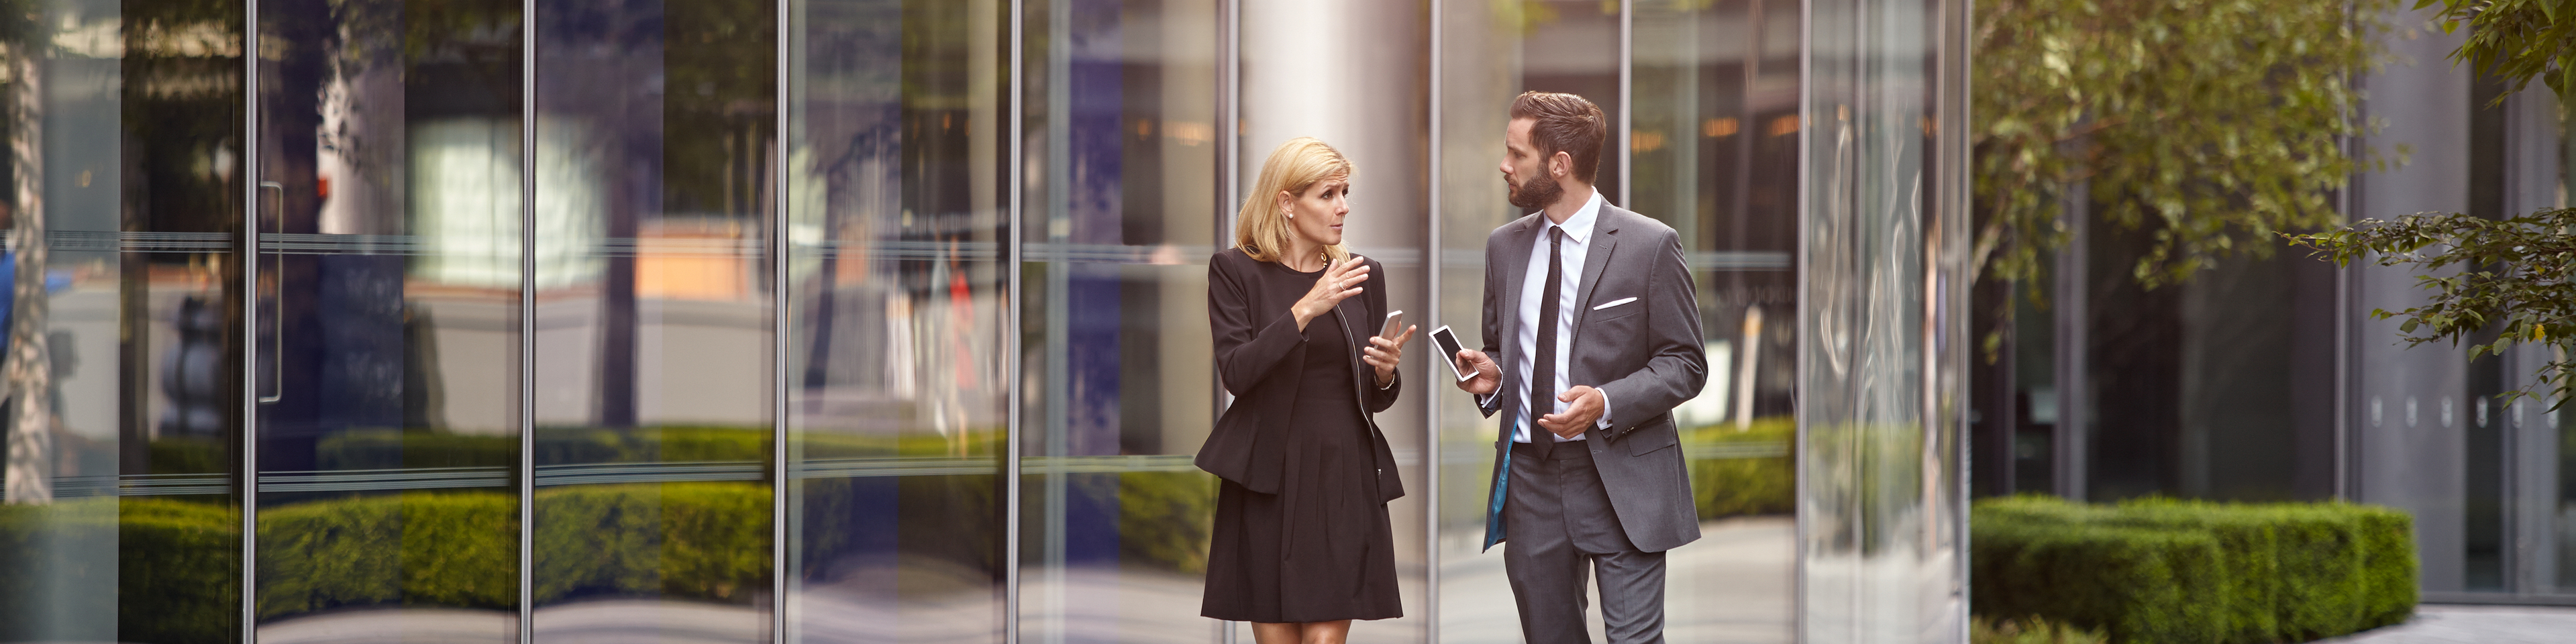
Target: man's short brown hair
1564 123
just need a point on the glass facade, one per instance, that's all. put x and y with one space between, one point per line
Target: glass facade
884 320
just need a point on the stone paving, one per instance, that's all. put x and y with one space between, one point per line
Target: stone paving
2459 624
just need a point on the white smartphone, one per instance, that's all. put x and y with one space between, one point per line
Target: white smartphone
1394 325
1448 343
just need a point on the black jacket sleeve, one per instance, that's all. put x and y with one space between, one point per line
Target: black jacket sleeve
1246 349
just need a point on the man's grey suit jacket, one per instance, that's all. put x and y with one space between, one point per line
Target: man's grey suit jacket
1643 353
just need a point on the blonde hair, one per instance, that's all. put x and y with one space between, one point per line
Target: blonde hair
1295 167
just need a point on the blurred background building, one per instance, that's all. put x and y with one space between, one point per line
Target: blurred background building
883 320
2267 379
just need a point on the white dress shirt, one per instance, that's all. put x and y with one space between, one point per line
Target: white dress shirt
1578 241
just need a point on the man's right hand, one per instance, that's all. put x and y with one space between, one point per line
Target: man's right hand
1489 376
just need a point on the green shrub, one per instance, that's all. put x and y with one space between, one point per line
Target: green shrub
2158 570
2029 631
1725 485
695 540
437 548
175 578
1166 518
178 571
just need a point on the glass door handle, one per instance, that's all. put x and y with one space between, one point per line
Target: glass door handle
276 352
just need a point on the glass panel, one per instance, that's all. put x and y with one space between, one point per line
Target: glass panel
653 393
123 340
389 424
897 402
1491 52
1883 329
1709 82
1122 216
2566 502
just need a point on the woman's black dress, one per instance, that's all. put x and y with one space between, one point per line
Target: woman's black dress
1320 549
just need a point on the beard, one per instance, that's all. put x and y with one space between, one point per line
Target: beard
1538 192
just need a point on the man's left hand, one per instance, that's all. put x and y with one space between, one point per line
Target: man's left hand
1577 417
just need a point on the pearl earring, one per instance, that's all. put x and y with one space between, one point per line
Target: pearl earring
1291 213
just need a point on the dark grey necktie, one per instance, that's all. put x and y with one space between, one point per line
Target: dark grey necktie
1542 391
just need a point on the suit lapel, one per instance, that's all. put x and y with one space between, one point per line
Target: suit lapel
1605 240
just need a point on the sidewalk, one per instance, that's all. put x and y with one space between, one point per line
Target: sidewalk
2461 624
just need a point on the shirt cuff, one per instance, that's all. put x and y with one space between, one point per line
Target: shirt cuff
1604 423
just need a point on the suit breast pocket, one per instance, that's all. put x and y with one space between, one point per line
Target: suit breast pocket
1609 309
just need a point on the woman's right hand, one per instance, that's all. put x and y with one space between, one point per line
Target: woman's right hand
1340 281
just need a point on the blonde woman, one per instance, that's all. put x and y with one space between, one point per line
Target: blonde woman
1302 543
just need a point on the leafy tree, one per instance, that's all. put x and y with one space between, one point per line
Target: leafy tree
2512 276
2516 40
2212 124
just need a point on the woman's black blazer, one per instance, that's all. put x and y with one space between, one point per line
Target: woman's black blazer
1258 353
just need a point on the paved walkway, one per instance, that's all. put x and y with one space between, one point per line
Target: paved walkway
2457 624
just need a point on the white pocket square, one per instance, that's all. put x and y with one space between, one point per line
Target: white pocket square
1615 302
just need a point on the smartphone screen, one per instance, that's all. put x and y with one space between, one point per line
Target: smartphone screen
1448 342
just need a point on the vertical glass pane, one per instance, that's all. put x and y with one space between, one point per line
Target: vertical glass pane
1882 325
654 136
1122 216
1708 80
2566 499
120 321
897 394
2564 502
1491 52
389 424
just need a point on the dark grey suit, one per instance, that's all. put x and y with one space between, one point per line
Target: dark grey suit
1621 498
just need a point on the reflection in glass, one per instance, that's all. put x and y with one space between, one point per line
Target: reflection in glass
119 284
1707 81
389 412
654 131
1122 216
1883 334
1680 76
896 394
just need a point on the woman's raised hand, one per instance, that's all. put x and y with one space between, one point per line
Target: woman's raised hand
1384 353
1340 281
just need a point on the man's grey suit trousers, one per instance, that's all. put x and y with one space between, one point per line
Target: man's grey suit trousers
1560 523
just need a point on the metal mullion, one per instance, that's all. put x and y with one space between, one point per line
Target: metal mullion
783 468
250 324
1627 102
527 319
1012 242
1229 169
1803 393
1432 264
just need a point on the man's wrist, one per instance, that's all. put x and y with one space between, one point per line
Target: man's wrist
1604 421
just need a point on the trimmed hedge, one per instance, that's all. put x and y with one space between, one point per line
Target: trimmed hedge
2029 631
2167 571
1165 519
1723 487
173 575
708 541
